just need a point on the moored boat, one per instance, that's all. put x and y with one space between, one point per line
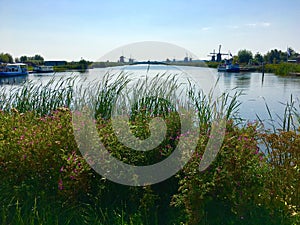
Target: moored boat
43 69
14 69
229 67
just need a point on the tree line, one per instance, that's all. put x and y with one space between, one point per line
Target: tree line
7 58
274 56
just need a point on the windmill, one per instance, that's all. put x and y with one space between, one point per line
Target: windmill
122 59
219 55
213 55
131 60
187 58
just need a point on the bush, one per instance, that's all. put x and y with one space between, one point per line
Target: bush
231 190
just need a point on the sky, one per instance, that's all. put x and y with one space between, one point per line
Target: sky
90 29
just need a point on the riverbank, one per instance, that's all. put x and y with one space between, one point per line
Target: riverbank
46 180
283 69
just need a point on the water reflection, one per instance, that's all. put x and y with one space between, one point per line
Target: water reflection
17 80
236 80
243 80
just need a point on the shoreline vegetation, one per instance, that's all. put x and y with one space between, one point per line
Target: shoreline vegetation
283 63
46 180
282 69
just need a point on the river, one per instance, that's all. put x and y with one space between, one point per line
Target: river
257 91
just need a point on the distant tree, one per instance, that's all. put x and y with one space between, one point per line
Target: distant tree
258 58
273 56
38 57
23 58
6 58
245 56
17 60
83 64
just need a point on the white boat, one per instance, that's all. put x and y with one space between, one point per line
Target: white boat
14 69
43 69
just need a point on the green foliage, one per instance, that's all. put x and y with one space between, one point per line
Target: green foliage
282 68
284 159
277 56
41 99
46 180
258 58
36 59
6 58
245 56
232 183
82 65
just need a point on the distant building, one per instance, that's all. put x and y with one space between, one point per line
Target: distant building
122 59
55 63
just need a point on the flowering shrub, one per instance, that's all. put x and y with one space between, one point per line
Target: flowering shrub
230 189
34 150
39 156
283 180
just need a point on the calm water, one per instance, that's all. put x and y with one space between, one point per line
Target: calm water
272 90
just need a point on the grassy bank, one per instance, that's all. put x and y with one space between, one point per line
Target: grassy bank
283 69
46 180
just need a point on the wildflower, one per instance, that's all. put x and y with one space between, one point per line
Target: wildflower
60 184
61 169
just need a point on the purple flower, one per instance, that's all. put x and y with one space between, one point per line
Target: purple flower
60 184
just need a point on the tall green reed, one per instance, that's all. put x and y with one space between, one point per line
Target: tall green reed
39 98
157 95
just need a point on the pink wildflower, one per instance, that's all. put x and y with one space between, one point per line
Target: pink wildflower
60 184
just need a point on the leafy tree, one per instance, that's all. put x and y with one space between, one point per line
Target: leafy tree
275 56
258 58
6 58
245 56
23 58
38 57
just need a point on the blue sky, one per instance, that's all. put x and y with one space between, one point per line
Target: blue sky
70 30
